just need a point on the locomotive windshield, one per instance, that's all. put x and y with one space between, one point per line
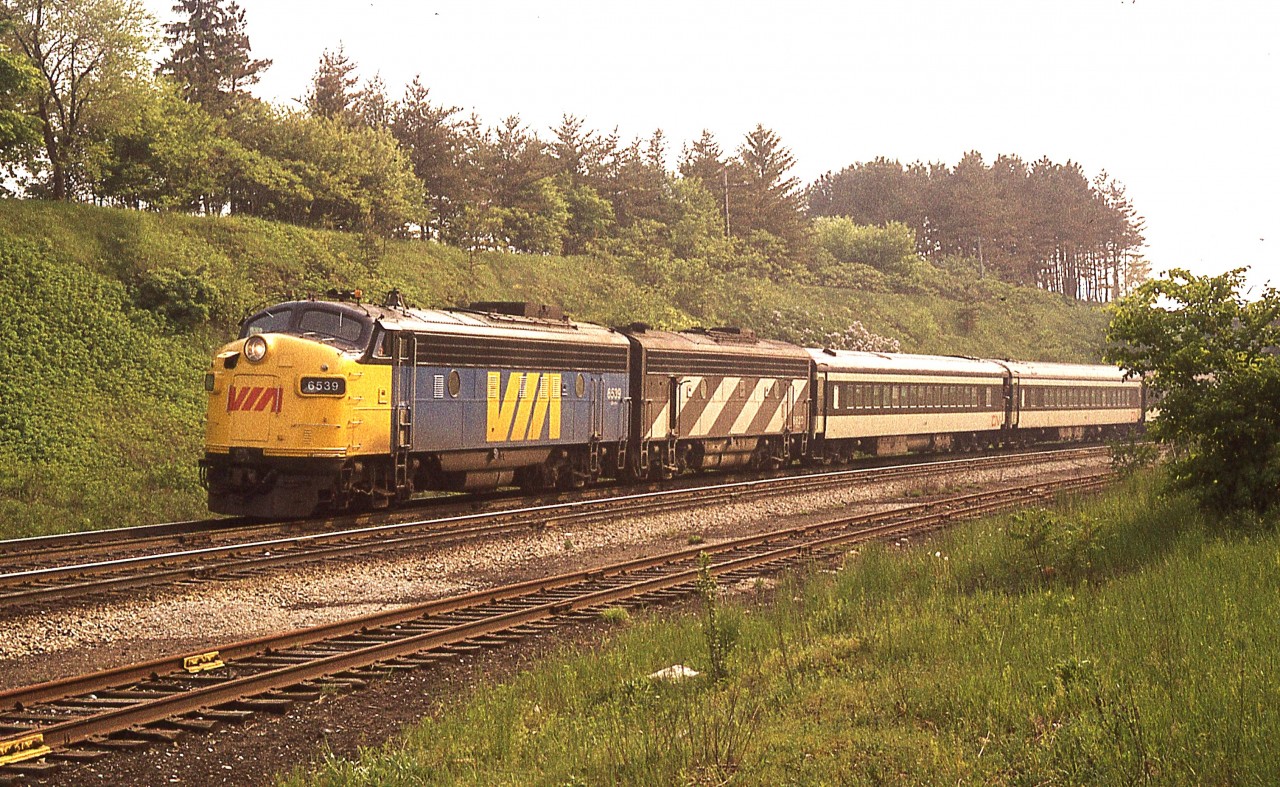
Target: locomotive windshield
274 320
333 324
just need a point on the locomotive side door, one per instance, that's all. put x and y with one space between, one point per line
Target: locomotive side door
674 389
404 387
598 394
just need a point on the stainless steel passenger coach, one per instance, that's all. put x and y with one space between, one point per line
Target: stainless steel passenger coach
1059 401
890 403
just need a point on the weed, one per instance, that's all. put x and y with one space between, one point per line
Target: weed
1130 454
719 640
695 539
615 616
1058 546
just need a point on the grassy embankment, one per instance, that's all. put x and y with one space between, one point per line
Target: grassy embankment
1131 645
110 316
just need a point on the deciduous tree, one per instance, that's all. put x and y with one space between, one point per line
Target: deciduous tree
1209 357
19 83
91 54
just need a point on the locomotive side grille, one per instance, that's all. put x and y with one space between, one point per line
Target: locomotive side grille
668 361
448 350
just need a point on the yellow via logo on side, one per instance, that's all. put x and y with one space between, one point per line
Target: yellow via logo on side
522 411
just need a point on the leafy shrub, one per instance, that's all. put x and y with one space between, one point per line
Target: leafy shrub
1131 454
184 299
890 249
1057 545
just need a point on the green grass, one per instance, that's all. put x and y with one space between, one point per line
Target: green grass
110 317
1151 654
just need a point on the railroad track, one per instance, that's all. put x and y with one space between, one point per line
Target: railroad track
100 578
86 717
24 554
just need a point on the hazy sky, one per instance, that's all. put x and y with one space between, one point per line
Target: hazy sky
1176 99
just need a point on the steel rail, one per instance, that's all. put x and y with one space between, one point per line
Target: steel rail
31 585
42 547
205 563
376 641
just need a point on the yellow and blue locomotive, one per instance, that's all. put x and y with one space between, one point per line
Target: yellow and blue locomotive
328 405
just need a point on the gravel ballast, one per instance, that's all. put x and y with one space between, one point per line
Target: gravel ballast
165 621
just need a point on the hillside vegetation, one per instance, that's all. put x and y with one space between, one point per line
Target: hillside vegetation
110 316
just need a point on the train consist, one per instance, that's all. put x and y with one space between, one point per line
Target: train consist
331 405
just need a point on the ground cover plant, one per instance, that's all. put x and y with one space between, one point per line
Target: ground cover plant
111 316
1122 640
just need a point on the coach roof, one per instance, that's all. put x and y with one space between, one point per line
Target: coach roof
903 363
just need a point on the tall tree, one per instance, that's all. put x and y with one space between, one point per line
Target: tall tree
441 149
331 95
19 82
1039 224
372 106
770 200
90 55
209 56
576 152
703 160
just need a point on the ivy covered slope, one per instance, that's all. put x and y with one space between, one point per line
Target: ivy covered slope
110 316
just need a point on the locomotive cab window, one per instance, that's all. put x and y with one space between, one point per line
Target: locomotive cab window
271 321
384 344
341 327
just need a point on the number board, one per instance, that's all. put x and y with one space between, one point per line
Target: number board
324 386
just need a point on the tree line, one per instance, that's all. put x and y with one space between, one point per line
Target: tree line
85 116
1039 224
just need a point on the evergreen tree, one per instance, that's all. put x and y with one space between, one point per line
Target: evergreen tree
703 159
209 53
770 200
372 106
331 95
441 151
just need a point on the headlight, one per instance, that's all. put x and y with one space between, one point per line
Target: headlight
255 349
